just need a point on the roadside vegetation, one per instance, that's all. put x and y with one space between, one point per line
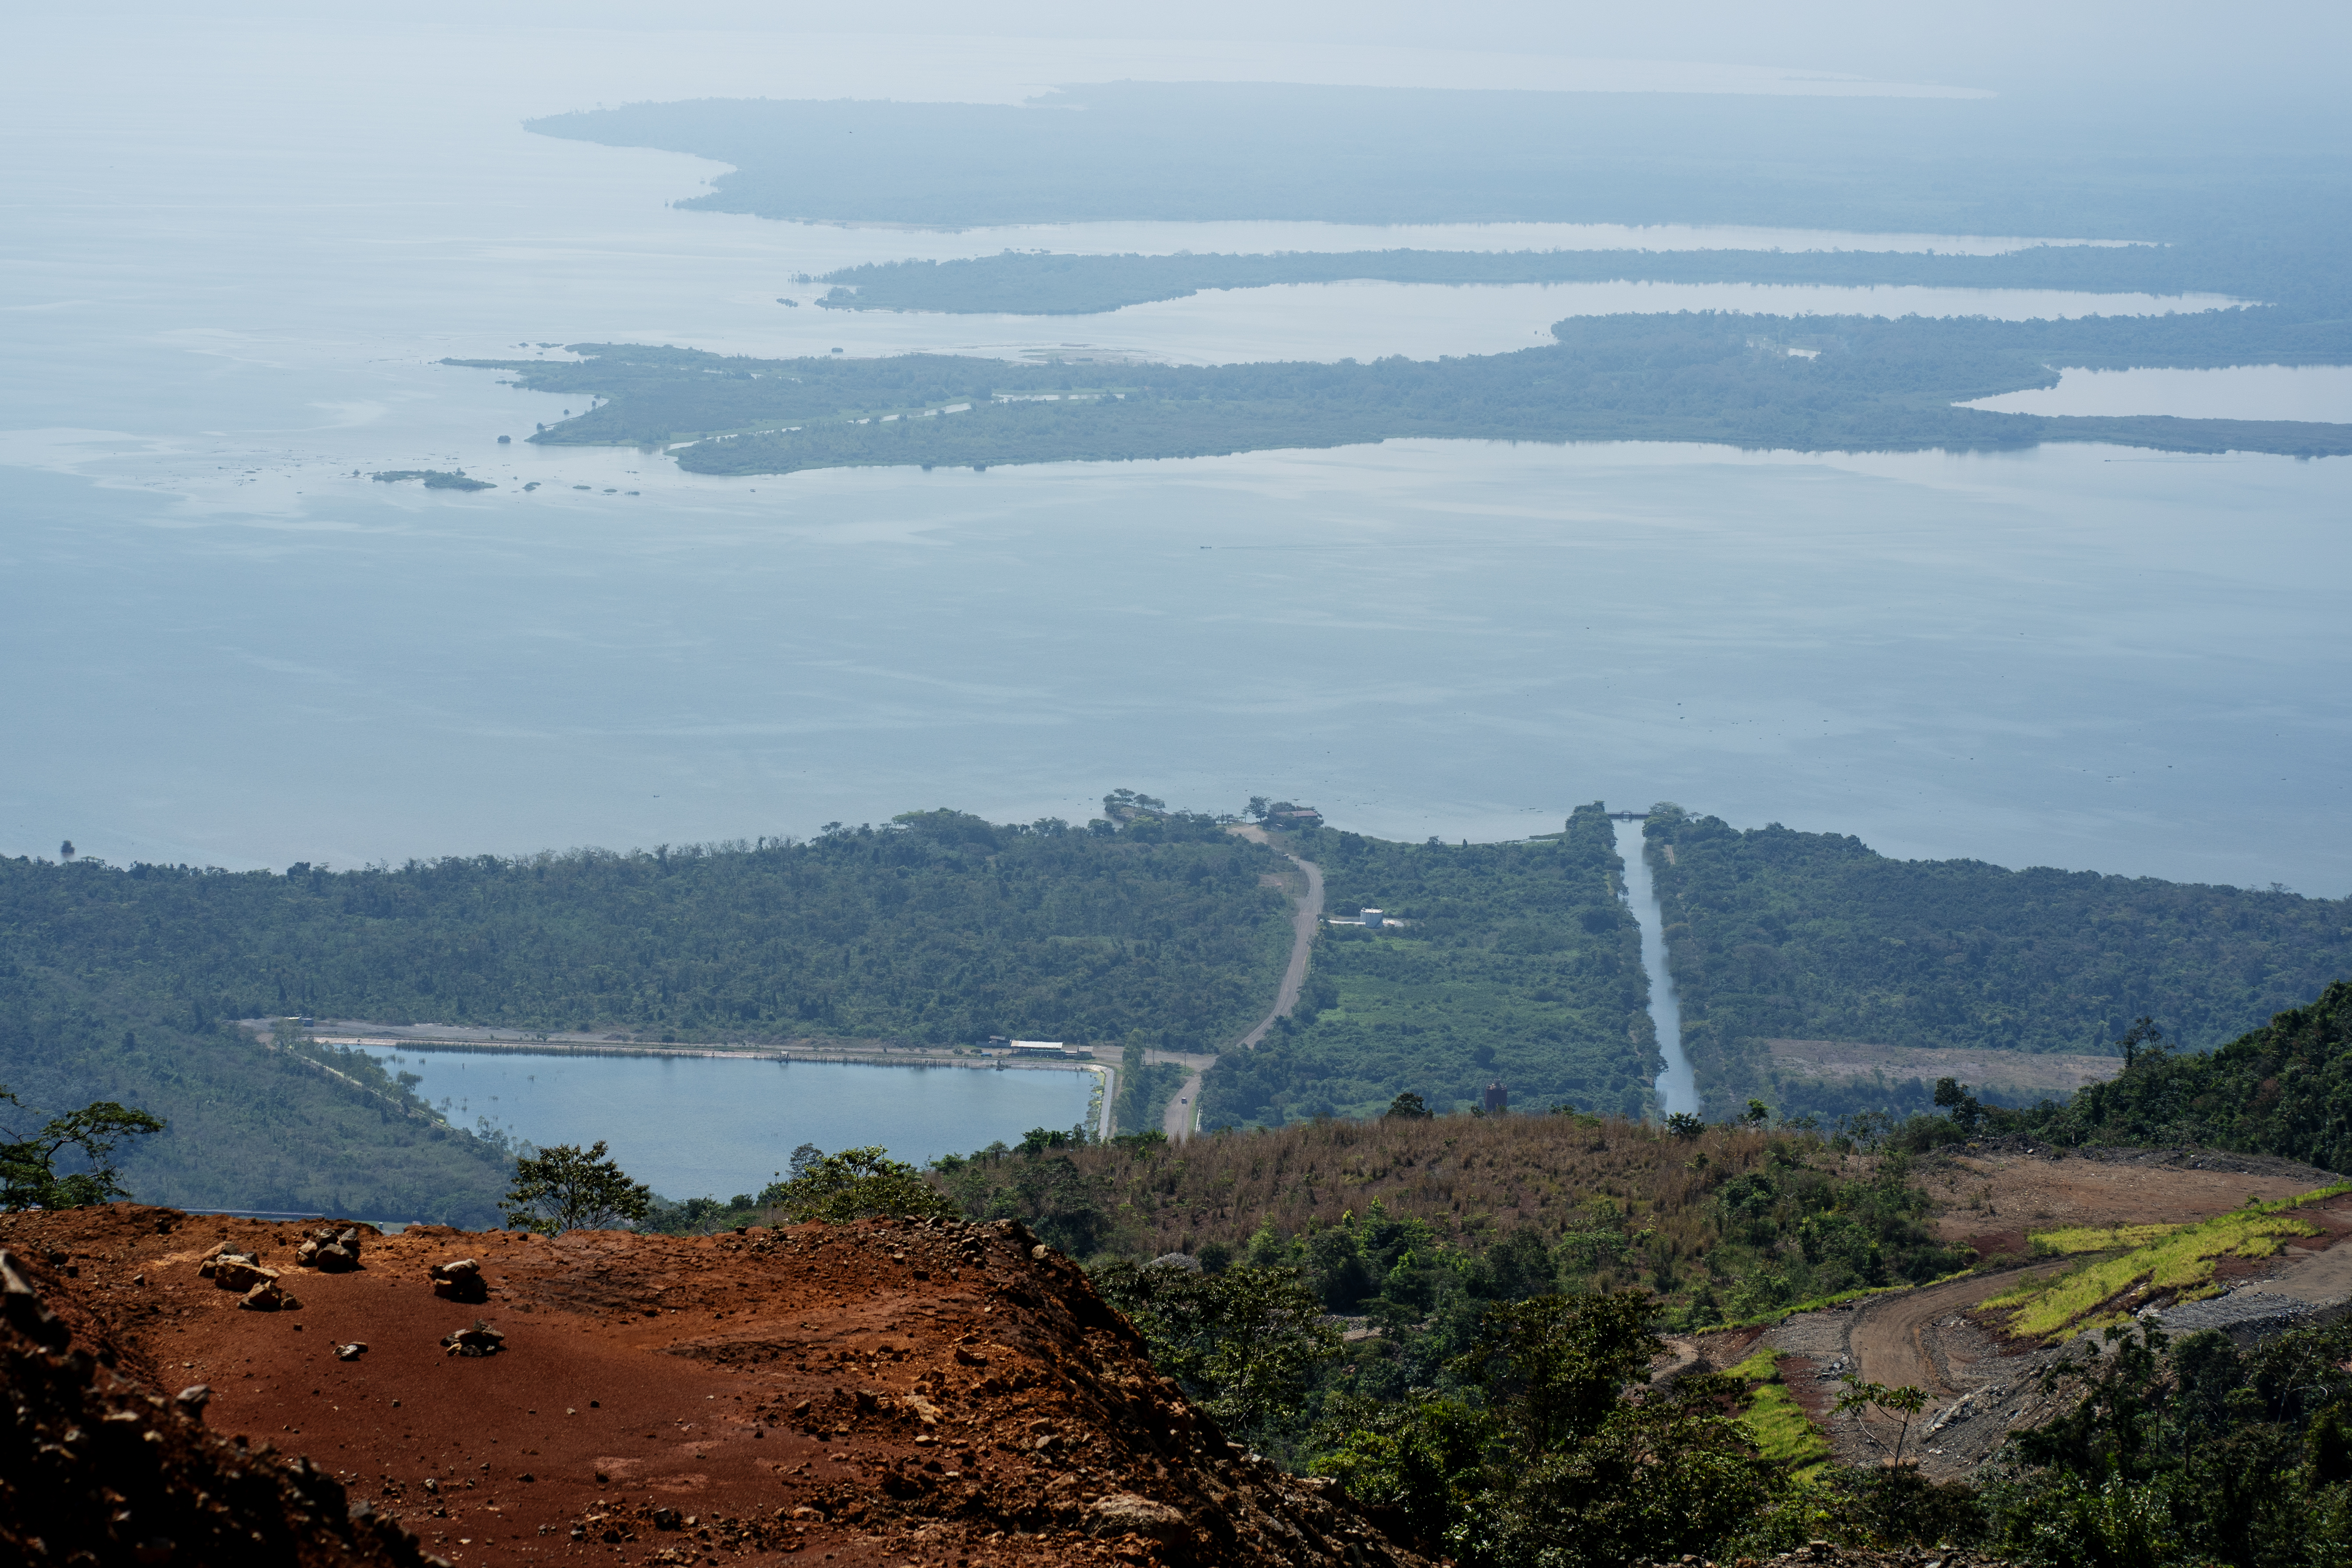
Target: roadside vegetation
1518 962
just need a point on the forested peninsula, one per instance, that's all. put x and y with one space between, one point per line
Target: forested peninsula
1870 384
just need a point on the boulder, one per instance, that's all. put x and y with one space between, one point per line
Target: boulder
460 1279
268 1296
241 1274
1126 1513
329 1250
478 1341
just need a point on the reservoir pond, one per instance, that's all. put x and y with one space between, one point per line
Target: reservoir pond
716 1126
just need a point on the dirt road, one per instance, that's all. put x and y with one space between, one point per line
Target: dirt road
1183 1111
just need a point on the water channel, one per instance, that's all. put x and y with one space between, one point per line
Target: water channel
1678 1085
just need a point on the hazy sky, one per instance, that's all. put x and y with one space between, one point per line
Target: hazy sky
2277 55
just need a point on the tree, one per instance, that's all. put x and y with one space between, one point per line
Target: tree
566 1188
29 1164
1905 1401
1242 1342
855 1185
1967 1114
1685 1126
1409 1107
1576 1471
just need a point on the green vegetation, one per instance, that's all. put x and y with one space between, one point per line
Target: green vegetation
2188 1453
29 1177
566 1187
1877 384
2285 1089
2097 1238
435 479
1518 962
1144 1090
123 984
1777 934
855 1185
1035 283
1243 1342
2149 168
2175 1267
1775 1422
1416 1221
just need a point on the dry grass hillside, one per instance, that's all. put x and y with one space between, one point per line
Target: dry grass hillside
1735 1219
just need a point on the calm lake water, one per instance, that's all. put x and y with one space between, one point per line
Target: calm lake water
716 1126
232 259
2315 392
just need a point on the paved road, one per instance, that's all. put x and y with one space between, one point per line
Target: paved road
1304 921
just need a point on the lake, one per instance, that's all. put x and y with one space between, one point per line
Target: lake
2315 392
717 1126
227 648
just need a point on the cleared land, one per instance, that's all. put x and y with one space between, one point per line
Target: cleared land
1981 1378
2022 1074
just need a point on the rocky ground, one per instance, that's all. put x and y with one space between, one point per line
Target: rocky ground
926 1394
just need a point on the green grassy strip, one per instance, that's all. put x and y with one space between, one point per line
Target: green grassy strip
1776 1422
2184 1261
2092 1238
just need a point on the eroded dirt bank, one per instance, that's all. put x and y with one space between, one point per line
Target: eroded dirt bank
930 1393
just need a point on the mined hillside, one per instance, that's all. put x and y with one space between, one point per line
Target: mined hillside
917 1394
107 1459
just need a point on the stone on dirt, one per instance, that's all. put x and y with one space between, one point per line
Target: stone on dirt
480 1339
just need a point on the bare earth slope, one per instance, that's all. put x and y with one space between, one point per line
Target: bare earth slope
919 1394
1980 1384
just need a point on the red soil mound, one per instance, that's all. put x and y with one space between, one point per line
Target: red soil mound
96 1467
930 1393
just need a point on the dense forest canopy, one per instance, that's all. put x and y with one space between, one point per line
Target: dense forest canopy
1779 934
1871 384
2285 1089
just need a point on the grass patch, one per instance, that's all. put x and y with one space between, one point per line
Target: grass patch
2182 1261
2092 1238
1776 1422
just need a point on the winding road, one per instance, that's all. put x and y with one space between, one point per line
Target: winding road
1185 1111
